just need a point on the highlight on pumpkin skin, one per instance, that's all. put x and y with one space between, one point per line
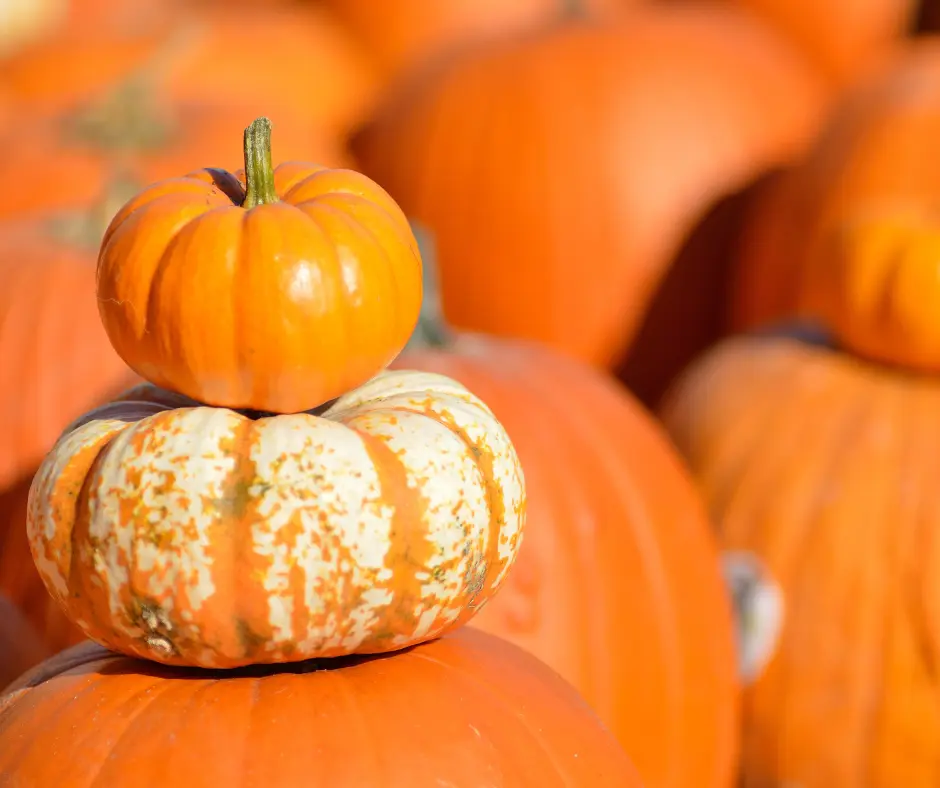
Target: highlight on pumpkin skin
874 281
272 288
206 538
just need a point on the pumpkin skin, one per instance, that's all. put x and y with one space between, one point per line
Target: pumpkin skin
317 291
842 38
64 160
617 544
468 710
876 154
198 56
486 154
22 21
20 647
21 585
409 34
878 290
55 358
386 521
825 466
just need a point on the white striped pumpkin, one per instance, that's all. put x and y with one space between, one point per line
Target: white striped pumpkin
202 536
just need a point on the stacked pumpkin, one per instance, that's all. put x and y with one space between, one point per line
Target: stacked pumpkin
274 510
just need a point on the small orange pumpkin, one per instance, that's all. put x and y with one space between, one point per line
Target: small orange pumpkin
270 289
468 710
201 536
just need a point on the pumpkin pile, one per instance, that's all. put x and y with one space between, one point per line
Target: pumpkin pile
308 513
264 430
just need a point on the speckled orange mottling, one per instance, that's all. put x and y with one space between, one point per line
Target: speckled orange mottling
195 535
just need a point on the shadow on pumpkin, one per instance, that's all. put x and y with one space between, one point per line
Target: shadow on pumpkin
689 312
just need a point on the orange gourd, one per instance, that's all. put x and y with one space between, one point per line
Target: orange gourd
270 289
20 647
560 173
406 35
64 160
22 586
825 466
616 544
876 157
467 710
843 39
310 67
55 358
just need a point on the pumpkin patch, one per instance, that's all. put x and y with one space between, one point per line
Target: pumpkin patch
480 393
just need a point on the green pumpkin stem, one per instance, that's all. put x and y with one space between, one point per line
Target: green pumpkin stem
259 171
432 330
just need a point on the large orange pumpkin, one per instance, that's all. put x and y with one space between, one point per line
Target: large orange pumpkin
825 466
466 711
65 159
404 35
20 646
279 61
55 358
842 38
617 585
876 154
560 173
274 289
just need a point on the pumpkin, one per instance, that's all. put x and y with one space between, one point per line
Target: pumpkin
23 21
875 154
20 647
617 585
405 35
204 536
65 160
824 465
314 274
520 191
843 39
467 710
55 358
22 587
209 55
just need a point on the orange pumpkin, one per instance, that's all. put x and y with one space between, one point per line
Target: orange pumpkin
467 710
558 225
271 289
843 39
208 56
202 536
616 544
825 466
64 160
22 586
404 35
23 21
55 358
876 155
20 647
